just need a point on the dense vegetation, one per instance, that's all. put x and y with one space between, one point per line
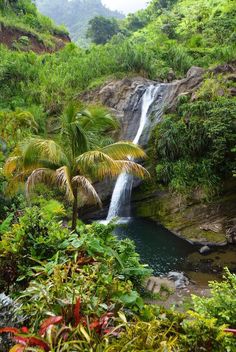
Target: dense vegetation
194 147
75 15
88 285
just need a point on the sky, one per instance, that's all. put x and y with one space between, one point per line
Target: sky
125 6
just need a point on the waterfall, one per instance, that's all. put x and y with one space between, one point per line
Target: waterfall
120 201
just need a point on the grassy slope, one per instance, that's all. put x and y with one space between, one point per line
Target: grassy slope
24 18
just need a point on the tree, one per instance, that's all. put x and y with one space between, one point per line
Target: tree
101 29
72 162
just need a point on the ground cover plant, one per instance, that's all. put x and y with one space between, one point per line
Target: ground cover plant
82 293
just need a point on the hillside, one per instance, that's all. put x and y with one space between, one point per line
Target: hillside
75 14
22 27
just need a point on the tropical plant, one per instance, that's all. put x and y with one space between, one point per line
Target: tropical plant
70 162
221 304
60 333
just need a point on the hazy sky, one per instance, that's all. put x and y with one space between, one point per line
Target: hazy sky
125 6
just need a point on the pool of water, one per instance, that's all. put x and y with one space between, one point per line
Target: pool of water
157 246
165 252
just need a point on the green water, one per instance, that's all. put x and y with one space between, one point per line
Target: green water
157 246
165 252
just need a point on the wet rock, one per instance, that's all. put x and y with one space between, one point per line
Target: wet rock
204 250
187 219
155 284
180 280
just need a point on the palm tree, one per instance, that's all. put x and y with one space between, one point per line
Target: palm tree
72 162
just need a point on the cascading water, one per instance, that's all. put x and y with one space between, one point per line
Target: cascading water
120 201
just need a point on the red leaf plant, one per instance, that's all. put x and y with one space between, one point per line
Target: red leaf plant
24 338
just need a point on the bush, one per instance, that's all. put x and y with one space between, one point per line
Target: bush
221 305
193 147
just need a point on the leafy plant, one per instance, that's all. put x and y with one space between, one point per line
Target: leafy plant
70 163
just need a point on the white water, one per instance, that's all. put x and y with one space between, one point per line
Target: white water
123 188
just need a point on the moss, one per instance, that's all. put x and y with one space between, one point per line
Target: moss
186 219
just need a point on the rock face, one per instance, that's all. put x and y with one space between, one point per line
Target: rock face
199 223
123 97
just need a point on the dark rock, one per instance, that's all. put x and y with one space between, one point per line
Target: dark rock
195 221
223 69
204 250
232 92
171 76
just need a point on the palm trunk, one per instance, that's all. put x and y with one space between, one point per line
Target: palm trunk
75 210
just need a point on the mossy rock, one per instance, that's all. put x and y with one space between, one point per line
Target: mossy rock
192 220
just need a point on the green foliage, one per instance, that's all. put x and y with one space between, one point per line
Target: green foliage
95 266
193 146
34 235
5 225
221 304
105 273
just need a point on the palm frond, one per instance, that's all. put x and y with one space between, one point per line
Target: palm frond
97 165
37 149
124 150
73 131
64 181
88 194
42 175
11 165
133 168
14 184
97 118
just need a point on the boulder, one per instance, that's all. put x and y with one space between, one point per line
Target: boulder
204 250
180 280
155 284
195 71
